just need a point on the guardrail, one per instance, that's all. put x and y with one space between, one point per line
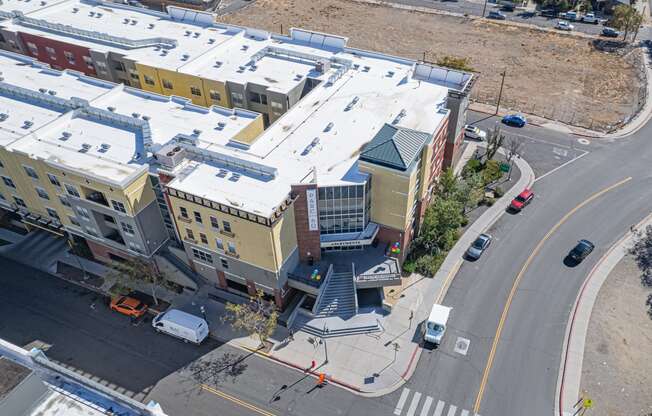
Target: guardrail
355 289
322 289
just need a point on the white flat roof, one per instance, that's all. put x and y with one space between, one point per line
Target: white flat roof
114 149
27 6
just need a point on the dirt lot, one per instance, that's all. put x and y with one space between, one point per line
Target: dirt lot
617 366
548 74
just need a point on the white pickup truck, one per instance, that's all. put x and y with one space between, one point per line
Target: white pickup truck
591 18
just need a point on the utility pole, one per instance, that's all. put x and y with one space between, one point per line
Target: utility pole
500 93
484 8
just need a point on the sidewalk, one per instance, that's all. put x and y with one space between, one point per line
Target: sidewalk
376 364
570 368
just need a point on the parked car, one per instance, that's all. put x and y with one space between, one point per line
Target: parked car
564 25
581 250
478 247
515 120
474 132
610 32
590 18
128 306
496 15
521 200
189 328
508 7
572 16
548 13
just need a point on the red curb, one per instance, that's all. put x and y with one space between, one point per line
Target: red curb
414 353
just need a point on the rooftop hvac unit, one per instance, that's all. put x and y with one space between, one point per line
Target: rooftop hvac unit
322 66
84 148
170 156
150 26
211 41
3 116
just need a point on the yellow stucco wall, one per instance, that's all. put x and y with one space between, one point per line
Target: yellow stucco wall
285 236
153 74
220 87
250 133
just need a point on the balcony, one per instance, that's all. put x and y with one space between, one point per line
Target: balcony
96 197
115 236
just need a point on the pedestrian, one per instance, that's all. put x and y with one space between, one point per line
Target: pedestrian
291 335
632 228
93 306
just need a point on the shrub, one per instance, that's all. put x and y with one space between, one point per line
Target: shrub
498 192
489 201
428 264
491 171
464 222
471 167
409 266
455 62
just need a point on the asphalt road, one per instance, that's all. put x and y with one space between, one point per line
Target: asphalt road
475 8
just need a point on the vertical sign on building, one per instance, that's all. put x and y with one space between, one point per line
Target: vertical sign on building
311 200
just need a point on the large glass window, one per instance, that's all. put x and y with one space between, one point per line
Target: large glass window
344 209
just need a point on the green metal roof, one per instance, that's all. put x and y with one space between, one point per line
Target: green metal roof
394 147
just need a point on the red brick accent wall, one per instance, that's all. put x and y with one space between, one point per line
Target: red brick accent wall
251 287
58 60
452 153
307 241
221 279
391 235
101 252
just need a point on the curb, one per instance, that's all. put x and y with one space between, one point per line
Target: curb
570 327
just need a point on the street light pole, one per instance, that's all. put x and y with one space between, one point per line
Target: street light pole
81 266
500 93
484 7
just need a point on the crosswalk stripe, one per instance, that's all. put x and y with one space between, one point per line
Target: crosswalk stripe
465 413
426 406
452 410
401 401
439 408
414 404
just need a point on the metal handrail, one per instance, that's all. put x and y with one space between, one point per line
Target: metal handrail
322 289
355 290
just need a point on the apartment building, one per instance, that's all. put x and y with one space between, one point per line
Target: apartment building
277 162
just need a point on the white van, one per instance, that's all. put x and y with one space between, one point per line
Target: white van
189 328
436 324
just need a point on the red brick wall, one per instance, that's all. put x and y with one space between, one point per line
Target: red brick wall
307 241
392 235
101 252
60 61
452 153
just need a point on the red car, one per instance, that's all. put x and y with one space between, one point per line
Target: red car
523 199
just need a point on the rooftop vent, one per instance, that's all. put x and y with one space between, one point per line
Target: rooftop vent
390 74
43 3
399 116
222 173
298 77
133 21
188 32
211 41
220 125
111 109
52 92
356 66
244 47
147 118
104 147
196 132
352 103
91 13
366 69
75 9
98 15
185 56
234 177
218 64
3 116
42 90
197 34
135 115
65 136
84 148
253 67
150 26
125 21
241 69
329 126
27 124
164 52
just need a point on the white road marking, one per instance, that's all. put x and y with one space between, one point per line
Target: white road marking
439 408
561 166
414 404
584 141
465 413
426 406
452 410
401 401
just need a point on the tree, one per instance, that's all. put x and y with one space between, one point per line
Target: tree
626 18
440 224
494 141
642 252
129 273
514 148
474 190
214 371
448 184
258 317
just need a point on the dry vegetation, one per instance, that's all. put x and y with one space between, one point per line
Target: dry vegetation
548 74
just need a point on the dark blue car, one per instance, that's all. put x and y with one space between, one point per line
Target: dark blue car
515 120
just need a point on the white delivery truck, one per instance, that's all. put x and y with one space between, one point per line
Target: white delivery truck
189 328
436 324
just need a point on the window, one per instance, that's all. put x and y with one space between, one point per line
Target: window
276 105
134 75
190 234
343 209
127 228
254 97
219 243
148 80
51 52
41 193
231 247
73 220
30 172
195 91
69 57
72 190
227 226
32 48
198 217
202 255
167 84
118 206
237 99
109 218
203 238
20 202
12 43
53 213
8 182
135 247
83 212
2 38
64 201
2 197
215 96
214 223
101 66
183 212
119 66
225 264
54 180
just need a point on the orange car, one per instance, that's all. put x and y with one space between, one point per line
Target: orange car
128 306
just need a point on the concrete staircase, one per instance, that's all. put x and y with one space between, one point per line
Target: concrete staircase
338 298
39 249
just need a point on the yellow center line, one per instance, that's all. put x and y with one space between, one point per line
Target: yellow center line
503 317
237 401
